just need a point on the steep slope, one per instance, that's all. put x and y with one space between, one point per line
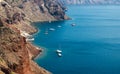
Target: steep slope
50 9
16 53
23 12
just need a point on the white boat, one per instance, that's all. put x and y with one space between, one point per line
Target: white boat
58 51
59 54
23 33
59 26
73 24
30 39
51 29
49 21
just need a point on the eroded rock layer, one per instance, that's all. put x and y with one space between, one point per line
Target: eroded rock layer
16 53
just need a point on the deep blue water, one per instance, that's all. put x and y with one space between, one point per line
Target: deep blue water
90 47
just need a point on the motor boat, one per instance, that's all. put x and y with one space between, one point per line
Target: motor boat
30 39
59 26
58 51
73 24
59 54
51 29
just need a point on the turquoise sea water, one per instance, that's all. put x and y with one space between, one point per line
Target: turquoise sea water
90 47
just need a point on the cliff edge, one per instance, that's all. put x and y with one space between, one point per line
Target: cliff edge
16 53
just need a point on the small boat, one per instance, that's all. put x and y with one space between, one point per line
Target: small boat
59 26
59 54
51 29
58 51
73 24
30 39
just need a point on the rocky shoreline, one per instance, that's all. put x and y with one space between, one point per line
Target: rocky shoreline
16 16
93 2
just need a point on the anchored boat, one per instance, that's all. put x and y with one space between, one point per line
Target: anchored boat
51 29
73 24
59 52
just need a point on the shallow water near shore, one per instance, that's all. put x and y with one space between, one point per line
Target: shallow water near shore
92 46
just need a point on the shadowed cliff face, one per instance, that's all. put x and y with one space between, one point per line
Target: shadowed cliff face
23 12
12 50
51 9
16 17
1 23
16 53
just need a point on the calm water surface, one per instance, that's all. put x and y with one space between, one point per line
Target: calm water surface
90 47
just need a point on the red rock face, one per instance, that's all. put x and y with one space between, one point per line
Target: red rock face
15 53
55 8
13 47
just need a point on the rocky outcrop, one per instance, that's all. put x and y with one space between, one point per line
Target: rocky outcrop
50 9
22 12
16 53
15 17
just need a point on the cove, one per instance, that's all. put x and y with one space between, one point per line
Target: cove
92 46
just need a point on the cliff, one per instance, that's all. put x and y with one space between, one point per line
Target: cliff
93 2
16 53
23 12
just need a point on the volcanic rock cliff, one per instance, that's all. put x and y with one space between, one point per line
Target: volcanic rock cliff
23 12
16 53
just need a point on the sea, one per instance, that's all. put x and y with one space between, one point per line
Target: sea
90 46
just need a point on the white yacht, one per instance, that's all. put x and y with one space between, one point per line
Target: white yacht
51 29
59 26
30 39
59 54
58 51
